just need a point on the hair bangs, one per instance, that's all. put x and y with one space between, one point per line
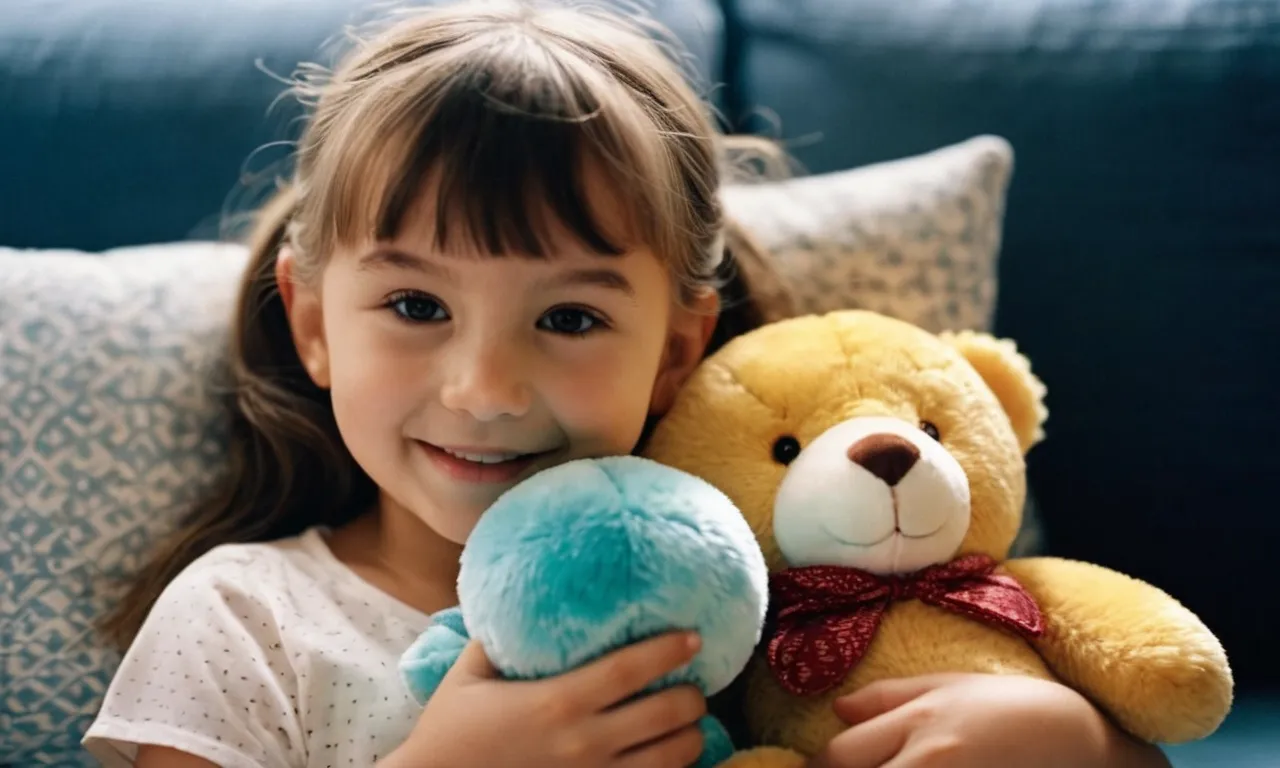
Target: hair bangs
513 147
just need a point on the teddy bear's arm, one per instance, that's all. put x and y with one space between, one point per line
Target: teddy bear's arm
1131 648
433 654
765 757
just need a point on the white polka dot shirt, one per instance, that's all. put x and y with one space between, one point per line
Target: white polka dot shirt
270 655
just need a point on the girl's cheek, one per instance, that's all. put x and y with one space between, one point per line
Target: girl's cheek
606 398
374 364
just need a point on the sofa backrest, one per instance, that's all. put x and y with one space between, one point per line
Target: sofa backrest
128 123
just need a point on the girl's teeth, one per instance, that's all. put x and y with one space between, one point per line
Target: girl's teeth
483 458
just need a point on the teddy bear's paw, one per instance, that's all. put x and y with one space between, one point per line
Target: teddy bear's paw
717 745
1134 650
426 662
765 757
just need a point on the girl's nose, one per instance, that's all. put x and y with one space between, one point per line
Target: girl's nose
486 383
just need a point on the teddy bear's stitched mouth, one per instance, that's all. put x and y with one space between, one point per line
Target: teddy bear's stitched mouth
896 531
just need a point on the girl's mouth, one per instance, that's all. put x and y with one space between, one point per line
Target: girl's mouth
485 457
480 465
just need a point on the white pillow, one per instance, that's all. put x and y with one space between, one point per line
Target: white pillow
916 238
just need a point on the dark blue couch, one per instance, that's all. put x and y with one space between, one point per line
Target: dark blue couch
1141 265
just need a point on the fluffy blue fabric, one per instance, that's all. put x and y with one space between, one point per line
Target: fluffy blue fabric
595 554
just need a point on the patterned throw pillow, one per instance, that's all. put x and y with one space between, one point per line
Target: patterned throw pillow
108 429
110 422
916 238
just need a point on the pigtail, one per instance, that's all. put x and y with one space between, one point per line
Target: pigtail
288 468
752 290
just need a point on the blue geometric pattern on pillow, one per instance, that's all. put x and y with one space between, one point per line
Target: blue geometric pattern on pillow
108 430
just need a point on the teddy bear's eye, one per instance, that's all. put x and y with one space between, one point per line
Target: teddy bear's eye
786 449
929 429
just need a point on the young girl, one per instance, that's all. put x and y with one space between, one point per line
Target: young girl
501 250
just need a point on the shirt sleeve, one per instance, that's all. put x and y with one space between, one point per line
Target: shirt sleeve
208 674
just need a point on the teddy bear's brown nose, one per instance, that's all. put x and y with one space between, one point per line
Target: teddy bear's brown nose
888 457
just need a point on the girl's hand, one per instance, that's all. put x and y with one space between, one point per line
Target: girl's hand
978 720
575 719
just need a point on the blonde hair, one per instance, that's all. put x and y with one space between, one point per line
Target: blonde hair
500 108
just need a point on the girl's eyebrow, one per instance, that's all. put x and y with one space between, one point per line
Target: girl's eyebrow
602 277
392 258
383 258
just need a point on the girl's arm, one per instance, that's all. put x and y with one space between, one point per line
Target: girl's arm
152 756
1123 751
970 721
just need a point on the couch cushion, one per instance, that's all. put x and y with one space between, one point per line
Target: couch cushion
110 426
917 238
1141 261
127 122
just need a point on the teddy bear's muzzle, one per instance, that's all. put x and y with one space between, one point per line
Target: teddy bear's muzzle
874 493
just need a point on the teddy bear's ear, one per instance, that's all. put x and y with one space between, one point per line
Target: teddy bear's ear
1008 373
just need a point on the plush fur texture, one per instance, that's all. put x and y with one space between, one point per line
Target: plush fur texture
596 554
1128 646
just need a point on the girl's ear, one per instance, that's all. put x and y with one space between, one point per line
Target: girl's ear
691 330
303 309
284 277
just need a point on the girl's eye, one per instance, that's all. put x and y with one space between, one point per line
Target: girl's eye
570 321
414 308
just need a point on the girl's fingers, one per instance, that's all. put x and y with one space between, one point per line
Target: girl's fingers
886 695
651 717
682 748
869 744
624 673
473 663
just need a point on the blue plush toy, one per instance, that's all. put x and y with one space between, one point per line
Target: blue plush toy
595 554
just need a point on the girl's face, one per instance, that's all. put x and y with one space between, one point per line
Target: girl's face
455 376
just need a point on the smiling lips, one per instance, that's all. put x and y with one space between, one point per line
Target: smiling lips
482 458
475 465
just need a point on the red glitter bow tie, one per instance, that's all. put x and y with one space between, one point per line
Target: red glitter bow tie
824 616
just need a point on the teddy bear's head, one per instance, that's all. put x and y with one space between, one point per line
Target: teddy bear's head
859 440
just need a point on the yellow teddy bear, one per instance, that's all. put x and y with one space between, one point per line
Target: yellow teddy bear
881 468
